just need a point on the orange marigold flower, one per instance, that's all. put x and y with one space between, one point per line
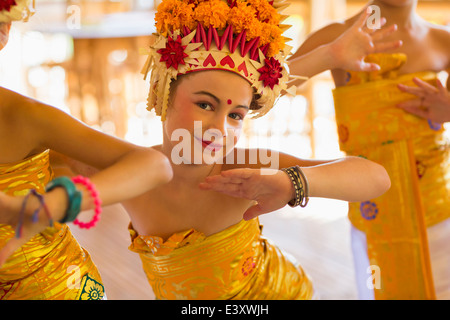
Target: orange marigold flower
173 14
242 17
212 13
265 12
272 35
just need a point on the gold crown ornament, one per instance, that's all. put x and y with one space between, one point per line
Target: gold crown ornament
16 10
241 36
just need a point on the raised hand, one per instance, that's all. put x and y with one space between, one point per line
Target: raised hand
350 49
271 189
432 103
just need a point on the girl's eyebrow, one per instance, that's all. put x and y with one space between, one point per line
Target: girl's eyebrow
217 99
208 94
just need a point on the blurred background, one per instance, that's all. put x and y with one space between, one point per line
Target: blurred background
83 57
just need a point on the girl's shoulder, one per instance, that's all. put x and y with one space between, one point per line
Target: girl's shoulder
440 37
13 105
8 102
439 33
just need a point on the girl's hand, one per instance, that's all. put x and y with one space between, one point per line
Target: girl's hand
350 49
22 210
271 189
433 103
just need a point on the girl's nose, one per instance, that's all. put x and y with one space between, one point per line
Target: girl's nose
220 126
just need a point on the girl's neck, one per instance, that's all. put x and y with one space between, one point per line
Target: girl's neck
188 174
405 16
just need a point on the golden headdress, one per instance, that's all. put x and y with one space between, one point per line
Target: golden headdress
16 10
242 36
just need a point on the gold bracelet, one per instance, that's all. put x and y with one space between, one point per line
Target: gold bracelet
301 186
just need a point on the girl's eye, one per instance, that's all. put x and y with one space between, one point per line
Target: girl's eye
204 105
236 116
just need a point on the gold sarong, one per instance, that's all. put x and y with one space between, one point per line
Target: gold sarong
416 156
51 265
236 263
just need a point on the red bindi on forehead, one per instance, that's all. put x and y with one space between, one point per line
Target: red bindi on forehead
229 101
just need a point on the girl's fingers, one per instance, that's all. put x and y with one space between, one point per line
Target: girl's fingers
238 173
415 110
412 90
232 189
440 86
417 103
380 34
368 67
386 46
426 86
253 212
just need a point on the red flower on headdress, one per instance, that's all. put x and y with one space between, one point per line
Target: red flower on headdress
270 73
7 4
173 54
232 3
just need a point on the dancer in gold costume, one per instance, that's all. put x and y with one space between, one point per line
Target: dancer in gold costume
47 262
212 63
208 72
394 235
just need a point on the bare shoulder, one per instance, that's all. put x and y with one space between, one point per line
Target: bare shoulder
17 139
12 107
441 34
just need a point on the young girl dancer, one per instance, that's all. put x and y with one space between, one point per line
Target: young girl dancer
207 75
212 64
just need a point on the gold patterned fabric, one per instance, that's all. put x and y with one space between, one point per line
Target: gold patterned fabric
416 155
51 265
236 263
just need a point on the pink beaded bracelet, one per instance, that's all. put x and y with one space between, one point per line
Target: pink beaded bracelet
98 203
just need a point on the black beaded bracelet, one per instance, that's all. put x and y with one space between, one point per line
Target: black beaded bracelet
300 183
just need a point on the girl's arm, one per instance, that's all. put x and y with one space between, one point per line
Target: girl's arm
350 179
126 170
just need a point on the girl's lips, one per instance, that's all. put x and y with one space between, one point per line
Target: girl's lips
210 144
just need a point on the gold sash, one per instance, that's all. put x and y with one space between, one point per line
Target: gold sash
236 263
415 155
51 265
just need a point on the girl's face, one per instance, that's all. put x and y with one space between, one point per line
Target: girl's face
4 34
205 116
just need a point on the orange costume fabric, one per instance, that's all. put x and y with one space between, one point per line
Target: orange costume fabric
236 263
416 156
52 265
